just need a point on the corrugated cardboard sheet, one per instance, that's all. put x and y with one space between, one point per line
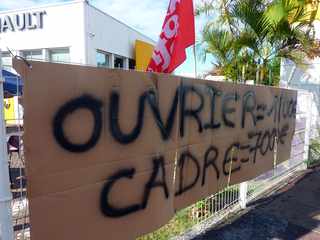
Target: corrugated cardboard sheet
159 143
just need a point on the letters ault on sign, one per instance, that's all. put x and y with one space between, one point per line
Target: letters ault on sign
259 142
22 21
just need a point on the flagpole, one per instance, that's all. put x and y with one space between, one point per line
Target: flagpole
195 61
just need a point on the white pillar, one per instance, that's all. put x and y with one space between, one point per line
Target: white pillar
6 227
126 64
112 60
46 55
316 24
243 195
308 129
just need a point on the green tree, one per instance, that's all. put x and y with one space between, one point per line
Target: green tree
249 37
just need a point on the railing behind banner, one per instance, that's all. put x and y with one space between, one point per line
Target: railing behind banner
220 206
13 111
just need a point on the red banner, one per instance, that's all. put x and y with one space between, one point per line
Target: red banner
177 34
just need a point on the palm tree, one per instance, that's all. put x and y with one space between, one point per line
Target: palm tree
255 34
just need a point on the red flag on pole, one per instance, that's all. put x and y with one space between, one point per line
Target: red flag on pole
177 34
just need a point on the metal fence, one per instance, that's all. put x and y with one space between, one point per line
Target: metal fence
218 207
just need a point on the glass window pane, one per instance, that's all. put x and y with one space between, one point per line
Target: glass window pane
33 54
103 59
118 62
5 54
59 55
6 59
132 64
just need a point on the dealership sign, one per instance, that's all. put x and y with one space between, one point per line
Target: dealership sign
21 21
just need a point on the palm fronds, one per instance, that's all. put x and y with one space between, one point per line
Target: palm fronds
250 36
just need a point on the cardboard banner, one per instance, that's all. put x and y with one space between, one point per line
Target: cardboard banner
110 148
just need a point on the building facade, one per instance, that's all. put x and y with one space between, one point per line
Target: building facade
71 32
306 77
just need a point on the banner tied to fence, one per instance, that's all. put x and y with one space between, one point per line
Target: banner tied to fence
113 154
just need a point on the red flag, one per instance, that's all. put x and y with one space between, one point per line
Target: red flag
177 34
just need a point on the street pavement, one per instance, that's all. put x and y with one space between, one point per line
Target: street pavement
290 213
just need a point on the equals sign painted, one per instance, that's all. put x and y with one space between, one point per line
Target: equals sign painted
244 147
261 108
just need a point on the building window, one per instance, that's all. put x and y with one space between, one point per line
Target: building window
59 55
6 59
103 59
33 54
118 62
132 64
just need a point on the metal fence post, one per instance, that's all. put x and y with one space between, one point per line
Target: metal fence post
308 128
243 194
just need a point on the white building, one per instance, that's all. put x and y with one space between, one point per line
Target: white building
73 32
306 77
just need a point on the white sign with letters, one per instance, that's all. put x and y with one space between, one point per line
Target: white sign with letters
22 21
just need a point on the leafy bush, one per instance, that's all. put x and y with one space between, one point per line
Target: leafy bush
188 217
314 152
178 225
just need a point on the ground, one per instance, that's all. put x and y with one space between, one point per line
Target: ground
290 213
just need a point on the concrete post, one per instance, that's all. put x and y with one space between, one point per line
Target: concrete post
243 195
308 127
112 60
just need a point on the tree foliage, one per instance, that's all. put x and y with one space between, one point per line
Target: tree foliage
249 37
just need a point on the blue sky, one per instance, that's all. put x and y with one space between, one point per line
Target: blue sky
144 15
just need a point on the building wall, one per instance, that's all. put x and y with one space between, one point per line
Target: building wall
305 77
63 26
143 54
78 26
108 34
